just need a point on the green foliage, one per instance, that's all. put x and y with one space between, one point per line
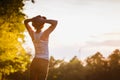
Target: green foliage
97 68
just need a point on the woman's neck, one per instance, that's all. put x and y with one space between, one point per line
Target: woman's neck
38 31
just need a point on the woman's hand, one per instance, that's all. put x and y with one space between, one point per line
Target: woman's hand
38 19
27 21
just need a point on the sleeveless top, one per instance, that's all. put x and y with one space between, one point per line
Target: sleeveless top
41 47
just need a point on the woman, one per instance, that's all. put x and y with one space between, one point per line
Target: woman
39 65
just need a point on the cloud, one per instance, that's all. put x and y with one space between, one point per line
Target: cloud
107 39
112 43
87 1
112 33
93 0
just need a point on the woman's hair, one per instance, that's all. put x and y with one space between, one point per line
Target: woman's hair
43 17
37 24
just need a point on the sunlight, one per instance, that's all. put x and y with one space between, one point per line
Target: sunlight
78 25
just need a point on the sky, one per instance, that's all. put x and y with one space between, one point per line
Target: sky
84 26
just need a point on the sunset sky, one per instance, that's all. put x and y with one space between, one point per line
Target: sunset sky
84 26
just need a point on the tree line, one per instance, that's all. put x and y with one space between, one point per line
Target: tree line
95 67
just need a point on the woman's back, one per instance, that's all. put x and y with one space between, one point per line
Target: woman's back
41 46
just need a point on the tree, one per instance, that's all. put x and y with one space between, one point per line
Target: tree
114 58
114 65
72 70
95 67
13 57
54 70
